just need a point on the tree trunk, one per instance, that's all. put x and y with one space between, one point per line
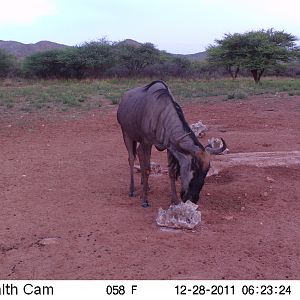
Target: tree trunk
260 73
236 72
232 73
257 74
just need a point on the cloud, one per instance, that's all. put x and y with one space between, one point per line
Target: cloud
23 12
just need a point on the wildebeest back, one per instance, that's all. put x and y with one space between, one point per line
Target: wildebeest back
147 114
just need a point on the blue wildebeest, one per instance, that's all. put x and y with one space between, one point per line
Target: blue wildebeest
150 116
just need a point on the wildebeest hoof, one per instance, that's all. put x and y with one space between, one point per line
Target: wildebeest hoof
145 204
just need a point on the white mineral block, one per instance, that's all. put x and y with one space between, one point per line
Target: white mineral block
183 215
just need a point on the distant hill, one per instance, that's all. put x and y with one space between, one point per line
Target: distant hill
200 56
130 42
21 50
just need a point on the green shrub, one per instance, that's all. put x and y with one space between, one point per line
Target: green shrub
7 64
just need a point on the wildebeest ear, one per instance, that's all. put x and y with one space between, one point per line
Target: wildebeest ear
204 158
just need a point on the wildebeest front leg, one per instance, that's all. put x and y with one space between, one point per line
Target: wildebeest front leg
144 153
173 177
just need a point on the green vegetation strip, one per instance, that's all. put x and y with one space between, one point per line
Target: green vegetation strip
87 94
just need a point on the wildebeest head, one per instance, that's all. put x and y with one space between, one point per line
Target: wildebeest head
194 166
193 173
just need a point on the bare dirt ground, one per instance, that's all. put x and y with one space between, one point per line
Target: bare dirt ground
65 213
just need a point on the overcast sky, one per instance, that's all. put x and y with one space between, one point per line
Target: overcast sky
177 26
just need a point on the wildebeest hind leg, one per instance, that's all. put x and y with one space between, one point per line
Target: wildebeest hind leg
131 148
144 153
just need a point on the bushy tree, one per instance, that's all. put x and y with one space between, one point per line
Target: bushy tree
7 63
135 58
43 64
71 64
226 53
87 60
95 58
255 51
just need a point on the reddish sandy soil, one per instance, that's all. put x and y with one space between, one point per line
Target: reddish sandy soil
65 213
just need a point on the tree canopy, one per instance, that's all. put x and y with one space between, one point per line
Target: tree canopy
255 51
7 63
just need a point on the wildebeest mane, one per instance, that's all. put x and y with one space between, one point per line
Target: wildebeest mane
172 161
148 86
165 92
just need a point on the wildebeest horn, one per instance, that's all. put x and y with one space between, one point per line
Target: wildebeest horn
211 150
